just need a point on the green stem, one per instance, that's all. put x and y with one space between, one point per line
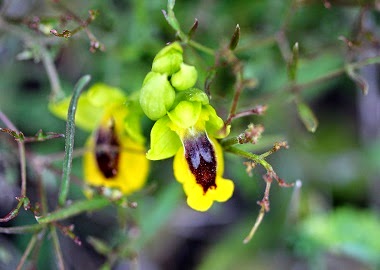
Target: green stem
256 158
57 248
229 142
74 209
21 229
69 142
27 251
11 215
200 47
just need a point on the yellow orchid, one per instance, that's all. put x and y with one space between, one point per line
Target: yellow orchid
115 156
191 128
186 126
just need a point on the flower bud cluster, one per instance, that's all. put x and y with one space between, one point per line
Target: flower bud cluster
169 76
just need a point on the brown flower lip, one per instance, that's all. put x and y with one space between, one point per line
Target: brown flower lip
200 156
107 151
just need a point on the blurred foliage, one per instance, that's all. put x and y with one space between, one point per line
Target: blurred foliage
338 48
346 230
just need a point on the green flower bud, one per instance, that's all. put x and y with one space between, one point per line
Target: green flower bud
168 60
185 78
157 95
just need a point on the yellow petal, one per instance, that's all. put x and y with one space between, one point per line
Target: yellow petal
199 203
181 168
223 191
219 157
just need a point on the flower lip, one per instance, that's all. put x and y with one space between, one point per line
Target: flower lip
200 156
107 150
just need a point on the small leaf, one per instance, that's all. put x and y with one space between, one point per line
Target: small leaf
235 38
171 19
193 29
359 80
293 64
171 4
307 116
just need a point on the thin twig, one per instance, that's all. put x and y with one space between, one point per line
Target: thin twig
56 90
258 221
27 251
21 151
21 229
57 248
74 209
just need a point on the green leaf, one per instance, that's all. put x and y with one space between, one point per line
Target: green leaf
193 29
171 4
235 38
307 116
164 142
293 64
349 231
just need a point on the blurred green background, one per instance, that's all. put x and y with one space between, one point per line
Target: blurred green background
331 222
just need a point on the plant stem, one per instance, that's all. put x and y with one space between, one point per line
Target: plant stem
21 229
256 158
27 251
200 47
69 142
21 151
56 90
74 209
57 248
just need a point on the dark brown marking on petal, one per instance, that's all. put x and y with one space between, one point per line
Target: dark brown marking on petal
107 151
200 156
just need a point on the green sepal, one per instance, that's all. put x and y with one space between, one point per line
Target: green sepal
87 116
102 95
157 95
91 105
215 124
132 122
307 116
185 114
168 60
192 95
185 78
164 142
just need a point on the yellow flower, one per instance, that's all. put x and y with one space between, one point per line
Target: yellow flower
114 160
115 156
188 132
199 166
